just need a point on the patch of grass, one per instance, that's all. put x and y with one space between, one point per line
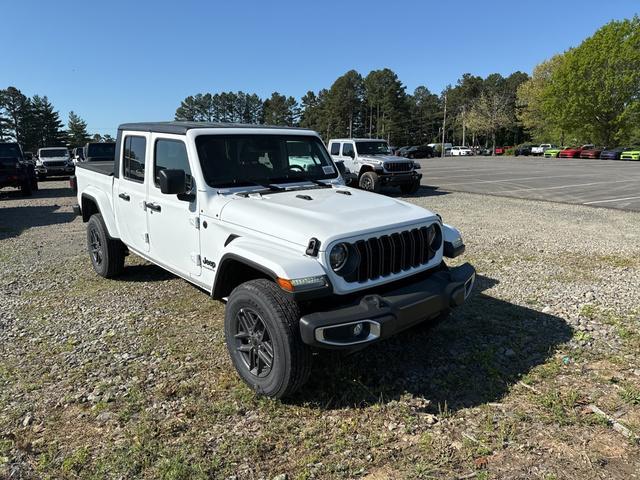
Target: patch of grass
560 406
630 394
76 462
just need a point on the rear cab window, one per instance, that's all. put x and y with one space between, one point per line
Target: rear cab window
133 158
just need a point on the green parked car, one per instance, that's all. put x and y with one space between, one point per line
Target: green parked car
552 152
632 153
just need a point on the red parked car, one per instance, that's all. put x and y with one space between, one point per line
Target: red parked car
501 150
591 152
574 152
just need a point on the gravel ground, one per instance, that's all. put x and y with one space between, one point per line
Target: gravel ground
130 379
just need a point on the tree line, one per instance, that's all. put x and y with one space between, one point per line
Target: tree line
590 93
377 105
35 123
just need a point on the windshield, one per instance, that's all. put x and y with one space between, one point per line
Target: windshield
241 160
101 150
57 152
9 150
372 148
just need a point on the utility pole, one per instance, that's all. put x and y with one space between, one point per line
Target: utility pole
464 127
444 123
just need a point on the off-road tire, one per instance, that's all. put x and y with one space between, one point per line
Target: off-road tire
370 181
109 261
280 315
410 188
26 188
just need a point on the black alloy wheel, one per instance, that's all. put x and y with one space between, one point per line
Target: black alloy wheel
253 342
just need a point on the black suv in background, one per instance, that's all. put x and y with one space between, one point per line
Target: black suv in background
15 171
418 151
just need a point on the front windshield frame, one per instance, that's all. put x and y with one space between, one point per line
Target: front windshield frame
233 142
53 153
372 147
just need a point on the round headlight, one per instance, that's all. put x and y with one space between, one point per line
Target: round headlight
434 237
338 256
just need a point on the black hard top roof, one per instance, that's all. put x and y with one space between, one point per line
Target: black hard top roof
182 127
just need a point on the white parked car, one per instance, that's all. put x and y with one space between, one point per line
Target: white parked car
54 161
259 217
542 148
461 151
373 165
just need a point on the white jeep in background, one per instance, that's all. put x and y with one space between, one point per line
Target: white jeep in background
541 149
461 151
372 165
54 161
260 218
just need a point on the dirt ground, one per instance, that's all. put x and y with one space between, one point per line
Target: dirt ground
130 378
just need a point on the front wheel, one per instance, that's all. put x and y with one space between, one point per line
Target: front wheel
261 326
410 188
370 181
26 188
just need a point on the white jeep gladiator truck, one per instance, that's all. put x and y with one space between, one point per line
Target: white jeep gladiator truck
259 218
373 165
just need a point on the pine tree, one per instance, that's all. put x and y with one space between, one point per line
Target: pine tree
77 130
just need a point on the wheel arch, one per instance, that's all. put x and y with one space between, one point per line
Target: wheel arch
234 270
95 201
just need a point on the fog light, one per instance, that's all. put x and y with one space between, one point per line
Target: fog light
357 329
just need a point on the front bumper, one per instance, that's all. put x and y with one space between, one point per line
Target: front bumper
392 179
55 171
377 316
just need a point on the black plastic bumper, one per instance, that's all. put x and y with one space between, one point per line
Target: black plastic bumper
379 316
393 179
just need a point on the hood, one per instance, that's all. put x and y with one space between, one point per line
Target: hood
384 158
327 215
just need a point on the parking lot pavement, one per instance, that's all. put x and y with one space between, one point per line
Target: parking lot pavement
597 183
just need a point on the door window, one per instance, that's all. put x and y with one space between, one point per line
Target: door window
347 149
335 149
134 158
172 155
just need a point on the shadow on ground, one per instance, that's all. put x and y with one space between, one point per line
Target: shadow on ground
147 272
15 220
469 359
423 191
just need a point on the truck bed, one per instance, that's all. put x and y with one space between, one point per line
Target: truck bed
104 168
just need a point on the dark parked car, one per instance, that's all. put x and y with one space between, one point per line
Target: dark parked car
612 153
15 171
523 150
419 151
400 152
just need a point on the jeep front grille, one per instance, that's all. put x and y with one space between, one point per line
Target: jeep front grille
55 164
394 253
398 166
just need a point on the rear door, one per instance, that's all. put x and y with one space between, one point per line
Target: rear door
131 191
173 219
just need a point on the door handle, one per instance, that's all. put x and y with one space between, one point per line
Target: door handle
124 196
152 206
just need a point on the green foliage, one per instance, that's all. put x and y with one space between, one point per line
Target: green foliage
589 93
238 107
280 110
77 130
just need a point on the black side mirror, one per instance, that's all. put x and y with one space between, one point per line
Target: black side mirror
351 154
173 182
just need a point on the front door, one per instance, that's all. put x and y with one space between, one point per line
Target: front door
173 219
131 192
348 156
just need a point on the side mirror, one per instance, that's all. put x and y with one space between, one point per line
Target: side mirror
341 168
351 154
173 182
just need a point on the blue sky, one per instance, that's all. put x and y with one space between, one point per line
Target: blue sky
120 61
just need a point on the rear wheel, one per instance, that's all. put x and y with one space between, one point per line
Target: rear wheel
262 332
370 181
107 254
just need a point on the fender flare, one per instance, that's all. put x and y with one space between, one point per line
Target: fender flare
100 199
